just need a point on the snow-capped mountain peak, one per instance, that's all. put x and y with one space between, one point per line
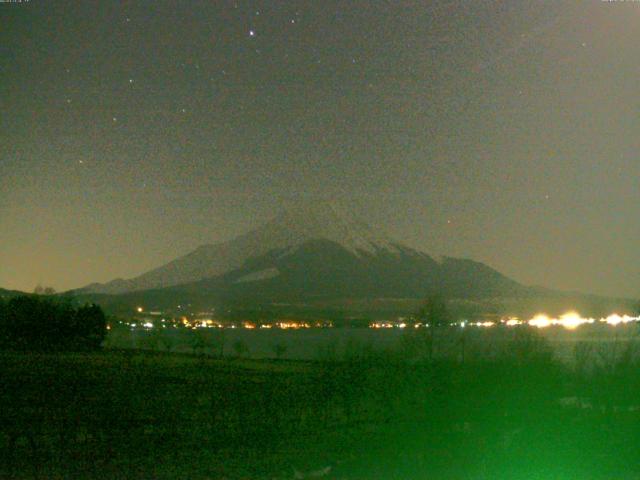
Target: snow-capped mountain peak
325 221
291 228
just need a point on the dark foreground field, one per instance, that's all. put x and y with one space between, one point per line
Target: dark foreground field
518 415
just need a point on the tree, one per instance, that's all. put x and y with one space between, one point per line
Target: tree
49 324
90 327
199 341
220 338
279 349
240 348
3 313
166 339
434 314
40 290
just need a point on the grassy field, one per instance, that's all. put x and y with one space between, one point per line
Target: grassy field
129 414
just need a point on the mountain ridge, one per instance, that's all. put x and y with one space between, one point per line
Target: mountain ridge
314 251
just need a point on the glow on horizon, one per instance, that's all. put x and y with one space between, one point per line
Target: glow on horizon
616 319
540 321
572 320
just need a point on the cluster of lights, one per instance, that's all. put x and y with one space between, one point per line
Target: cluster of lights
381 325
387 324
185 322
571 320
616 319
293 325
482 324
249 325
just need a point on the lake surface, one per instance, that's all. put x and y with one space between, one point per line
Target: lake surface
599 341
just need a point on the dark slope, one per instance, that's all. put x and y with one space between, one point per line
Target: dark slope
11 293
323 270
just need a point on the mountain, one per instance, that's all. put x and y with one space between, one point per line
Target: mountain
291 228
315 251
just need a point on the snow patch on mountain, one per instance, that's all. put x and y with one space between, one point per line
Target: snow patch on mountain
259 275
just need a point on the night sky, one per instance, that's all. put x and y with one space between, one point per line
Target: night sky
508 132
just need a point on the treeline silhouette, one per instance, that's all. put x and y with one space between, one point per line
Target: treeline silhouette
44 323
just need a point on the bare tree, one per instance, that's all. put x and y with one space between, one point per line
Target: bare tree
434 314
279 349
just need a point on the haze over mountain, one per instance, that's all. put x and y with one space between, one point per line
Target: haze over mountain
316 251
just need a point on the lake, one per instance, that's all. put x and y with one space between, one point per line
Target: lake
599 341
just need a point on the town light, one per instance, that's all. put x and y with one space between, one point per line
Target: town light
540 321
